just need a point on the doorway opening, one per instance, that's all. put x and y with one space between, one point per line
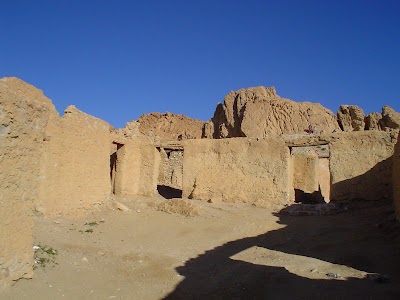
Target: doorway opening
311 174
114 163
170 174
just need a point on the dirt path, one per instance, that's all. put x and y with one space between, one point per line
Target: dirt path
227 252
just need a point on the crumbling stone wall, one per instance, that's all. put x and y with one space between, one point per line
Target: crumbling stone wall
237 170
361 165
137 168
171 168
75 175
24 112
396 178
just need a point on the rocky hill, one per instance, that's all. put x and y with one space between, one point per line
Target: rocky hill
352 118
260 112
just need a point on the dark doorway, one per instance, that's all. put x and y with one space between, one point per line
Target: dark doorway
308 198
169 192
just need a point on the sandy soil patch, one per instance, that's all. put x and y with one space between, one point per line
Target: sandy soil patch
225 252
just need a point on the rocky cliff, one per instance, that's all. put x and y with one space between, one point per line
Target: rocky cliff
260 112
390 118
351 118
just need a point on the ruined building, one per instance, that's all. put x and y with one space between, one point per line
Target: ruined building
255 150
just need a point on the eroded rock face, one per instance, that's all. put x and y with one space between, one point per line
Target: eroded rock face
260 112
170 126
372 121
351 118
390 118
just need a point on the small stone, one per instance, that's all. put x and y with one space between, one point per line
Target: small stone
121 207
333 275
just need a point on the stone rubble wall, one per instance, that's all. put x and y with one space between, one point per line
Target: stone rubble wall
237 170
171 168
24 113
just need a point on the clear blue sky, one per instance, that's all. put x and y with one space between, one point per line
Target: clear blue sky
119 59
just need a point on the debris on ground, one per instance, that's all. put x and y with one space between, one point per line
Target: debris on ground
178 207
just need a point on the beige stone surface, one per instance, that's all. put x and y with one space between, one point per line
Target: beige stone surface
344 118
170 126
390 118
131 130
260 112
396 178
361 165
305 168
324 180
237 170
24 112
75 175
351 118
372 121
137 169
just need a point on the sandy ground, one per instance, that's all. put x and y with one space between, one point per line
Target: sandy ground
226 252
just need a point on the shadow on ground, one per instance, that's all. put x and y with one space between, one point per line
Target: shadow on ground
351 239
